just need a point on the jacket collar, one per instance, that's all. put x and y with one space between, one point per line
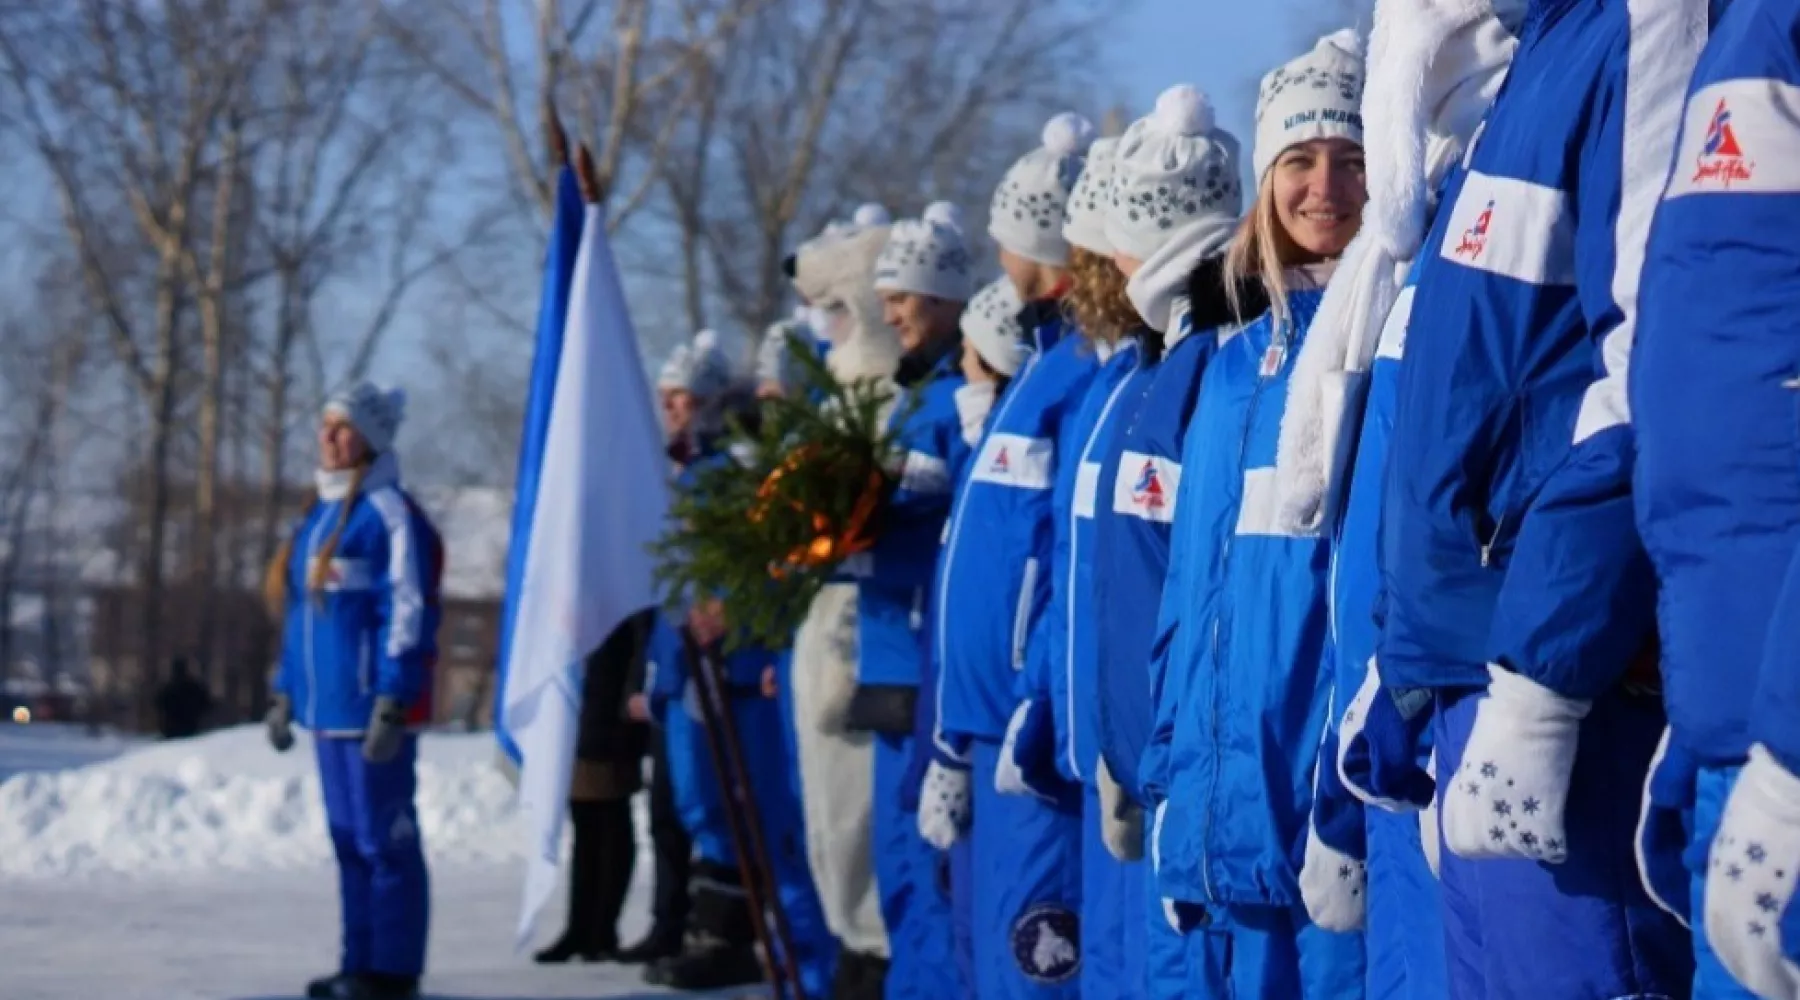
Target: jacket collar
334 484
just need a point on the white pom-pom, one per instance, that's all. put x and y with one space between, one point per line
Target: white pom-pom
706 342
871 214
943 213
802 314
1067 134
1183 110
1345 40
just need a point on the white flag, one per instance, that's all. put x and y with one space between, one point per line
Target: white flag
602 499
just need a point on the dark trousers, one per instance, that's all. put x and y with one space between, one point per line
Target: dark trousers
599 872
674 851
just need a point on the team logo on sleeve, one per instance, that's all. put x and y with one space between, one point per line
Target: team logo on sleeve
1474 238
1148 492
1145 487
1046 943
1002 463
1721 160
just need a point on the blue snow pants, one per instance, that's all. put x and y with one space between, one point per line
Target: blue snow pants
1026 903
382 883
1581 930
701 805
1115 896
1405 935
913 880
962 912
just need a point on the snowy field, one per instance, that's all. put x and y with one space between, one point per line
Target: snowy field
200 870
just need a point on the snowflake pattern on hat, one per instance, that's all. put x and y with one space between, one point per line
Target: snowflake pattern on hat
1042 209
1170 204
1348 84
925 258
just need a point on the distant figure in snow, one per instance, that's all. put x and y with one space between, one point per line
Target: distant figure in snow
182 703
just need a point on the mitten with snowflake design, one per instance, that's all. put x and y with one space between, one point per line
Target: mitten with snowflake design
1507 797
1751 920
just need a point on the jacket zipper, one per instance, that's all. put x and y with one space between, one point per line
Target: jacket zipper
1277 340
362 663
1487 547
1075 560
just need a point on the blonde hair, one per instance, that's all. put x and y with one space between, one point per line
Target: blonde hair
1259 250
274 586
1096 299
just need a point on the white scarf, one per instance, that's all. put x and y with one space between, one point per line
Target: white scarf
334 484
1434 67
1162 277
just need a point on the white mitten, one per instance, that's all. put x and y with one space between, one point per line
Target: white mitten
943 805
1751 921
1333 885
1121 821
1508 797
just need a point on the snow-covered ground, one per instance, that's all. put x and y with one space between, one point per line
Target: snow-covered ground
200 870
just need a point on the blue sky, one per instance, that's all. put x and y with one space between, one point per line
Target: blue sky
1221 46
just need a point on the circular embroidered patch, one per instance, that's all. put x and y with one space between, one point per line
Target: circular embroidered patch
1046 942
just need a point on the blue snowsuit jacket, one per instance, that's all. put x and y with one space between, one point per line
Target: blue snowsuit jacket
1508 531
1066 662
1140 485
371 631
1713 390
894 579
993 582
1240 636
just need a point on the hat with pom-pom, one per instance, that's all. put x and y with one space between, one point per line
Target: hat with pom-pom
1026 215
374 412
1317 96
1084 218
1173 167
775 364
991 326
700 367
927 256
870 213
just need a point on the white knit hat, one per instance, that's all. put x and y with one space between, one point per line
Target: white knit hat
1084 218
374 412
991 326
774 359
1317 96
700 367
1026 214
927 256
1174 166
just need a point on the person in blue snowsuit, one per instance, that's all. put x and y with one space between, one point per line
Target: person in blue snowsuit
1129 949
359 580
993 588
1514 585
992 350
1712 404
1241 629
1371 869
720 951
923 277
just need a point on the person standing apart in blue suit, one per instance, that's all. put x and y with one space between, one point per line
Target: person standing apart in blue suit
1151 244
993 587
359 579
1242 625
1435 69
1515 587
1712 400
923 277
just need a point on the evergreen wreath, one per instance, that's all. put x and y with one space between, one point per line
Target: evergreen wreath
805 487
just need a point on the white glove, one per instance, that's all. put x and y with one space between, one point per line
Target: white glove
943 805
1333 885
1508 797
1750 876
1121 821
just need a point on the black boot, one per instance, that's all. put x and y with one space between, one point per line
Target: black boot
377 986
709 964
325 987
660 943
859 976
586 937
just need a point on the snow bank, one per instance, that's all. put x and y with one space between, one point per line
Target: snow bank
226 802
